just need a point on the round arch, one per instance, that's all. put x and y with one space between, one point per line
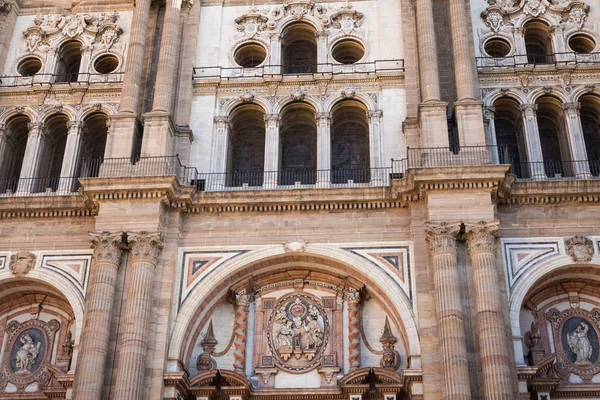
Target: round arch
106 109
228 108
15 111
389 293
284 101
366 100
536 93
497 94
68 110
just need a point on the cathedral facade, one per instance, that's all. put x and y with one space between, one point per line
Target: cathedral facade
244 200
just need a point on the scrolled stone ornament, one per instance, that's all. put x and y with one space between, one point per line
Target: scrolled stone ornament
579 248
21 263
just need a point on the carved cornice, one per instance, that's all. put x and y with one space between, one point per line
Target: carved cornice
481 237
145 246
108 247
442 237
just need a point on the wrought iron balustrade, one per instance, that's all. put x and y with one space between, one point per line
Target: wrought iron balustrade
556 170
537 61
40 186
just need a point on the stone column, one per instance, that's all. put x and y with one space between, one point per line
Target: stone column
533 145
89 374
242 300
450 321
428 62
274 66
323 149
376 146
85 67
133 342
271 150
353 300
219 153
580 164
31 159
520 49
322 51
493 341
5 156
8 19
71 157
462 50
490 129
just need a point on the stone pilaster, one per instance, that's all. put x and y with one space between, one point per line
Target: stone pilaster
323 148
489 123
31 159
271 165
353 300
493 341
578 156
89 374
71 157
532 142
242 300
8 19
5 156
449 315
133 342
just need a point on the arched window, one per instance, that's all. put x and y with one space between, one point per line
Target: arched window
298 144
538 42
69 60
246 155
509 134
95 132
553 137
11 159
299 49
350 156
52 153
590 123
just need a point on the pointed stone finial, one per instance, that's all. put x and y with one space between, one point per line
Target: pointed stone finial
390 358
205 361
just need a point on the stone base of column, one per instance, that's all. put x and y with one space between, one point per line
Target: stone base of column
433 121
125 134
469 119
159 135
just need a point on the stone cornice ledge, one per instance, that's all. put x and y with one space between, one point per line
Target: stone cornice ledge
45 207
554 191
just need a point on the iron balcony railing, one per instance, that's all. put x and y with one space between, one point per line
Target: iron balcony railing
44 186
380 67
135 167
556 170
433 157
55 79
538 61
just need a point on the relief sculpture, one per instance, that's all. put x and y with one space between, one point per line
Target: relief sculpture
26 355
580 344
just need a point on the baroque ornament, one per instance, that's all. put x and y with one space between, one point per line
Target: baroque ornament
390 358
442 237
298 332
295 246
205 361
145 246
347 19
34 36
577 14
251 23
75 24
107 246
493 18
21 263
534 7
579 248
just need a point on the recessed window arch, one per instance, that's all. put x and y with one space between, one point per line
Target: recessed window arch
590 123
553 138
94 135
29 66
298 144
299 49
246 152
52 152
68 61
350 154
509 134
538 42
11 161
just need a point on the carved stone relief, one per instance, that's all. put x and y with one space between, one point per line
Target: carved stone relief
579 248
21 263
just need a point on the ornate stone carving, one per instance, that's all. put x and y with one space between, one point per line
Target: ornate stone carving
534 7
26 355
109 35
241 325
577 14
298 95
247 98
251 23
390 358
493 18
299 9
353 299
73 25
145 245
295 246
107 246
34 37
579 248
205 361
5 6
580 345
48 23
504 4
481 237
21 263
442 237
348 93
67 346
347 19
298 333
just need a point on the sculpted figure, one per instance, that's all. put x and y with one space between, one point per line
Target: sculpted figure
26 355
283 334
580 344
315 335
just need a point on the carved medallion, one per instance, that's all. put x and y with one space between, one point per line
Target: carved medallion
579 248
534 7
298 332
21 263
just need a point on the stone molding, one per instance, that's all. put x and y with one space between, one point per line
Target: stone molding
481 237
442 237
108 247
145 246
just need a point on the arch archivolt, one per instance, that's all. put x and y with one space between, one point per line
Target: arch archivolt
536 93
29 112
496 94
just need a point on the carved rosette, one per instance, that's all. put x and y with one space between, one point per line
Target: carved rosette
241 326
21 263
145 246
481 237
579 248
353 299
298 332
442 237
107 246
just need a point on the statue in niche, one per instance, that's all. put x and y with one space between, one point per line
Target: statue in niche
580 344
26 355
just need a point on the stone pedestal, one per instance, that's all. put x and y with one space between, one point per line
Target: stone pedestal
434 124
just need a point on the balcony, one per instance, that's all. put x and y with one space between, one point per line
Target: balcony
556 170
50 80
539 62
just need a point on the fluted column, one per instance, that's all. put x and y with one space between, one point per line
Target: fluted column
428 62
132 81
489 123
532 142
31 159
220 152
376 145
493 342
464 60
323 148
241 327
580 166
91 362
450 320
133 343
353 300
71 157
271 165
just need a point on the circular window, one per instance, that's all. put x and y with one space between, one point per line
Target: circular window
106 64
497 47
582 44
250 55
347 51
29 66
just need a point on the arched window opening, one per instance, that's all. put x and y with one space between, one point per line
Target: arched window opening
553 138
69 60
13 152
509 134
52 153
299 49
95 132
590 123
246 156
350 156
298 144
538 42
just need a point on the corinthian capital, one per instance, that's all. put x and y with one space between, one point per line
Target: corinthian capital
242 299
145 246
442 237
481 237
107 246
